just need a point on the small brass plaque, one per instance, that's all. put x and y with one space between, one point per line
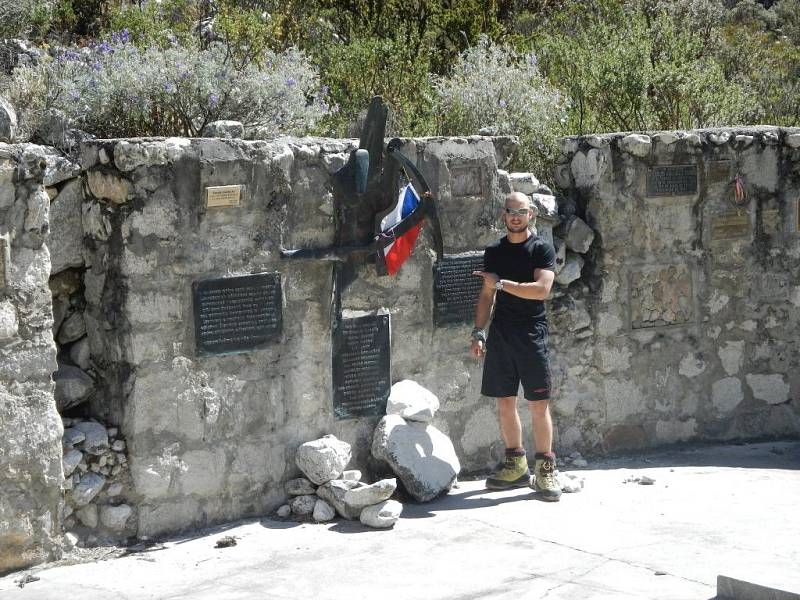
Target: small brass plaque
223 196
730 226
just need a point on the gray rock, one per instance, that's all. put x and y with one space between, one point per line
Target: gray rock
351 475
524 182
719 138
79 353
636 144
87 515
72 329
89 486
71 460
115 518
420 455
503 182
411 401
105 186
743 141
300 487
115 489
8 122
324 459
59 169
72 437
323 512
66 231
284 511
96 441
572 269
223 129
579 236
545 205
334 492
383 515
667 138
792 140
588 167
597 141
364 495
303 505
561 254
73 386
56 129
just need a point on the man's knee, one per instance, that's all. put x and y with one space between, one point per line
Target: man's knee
539 408
507 404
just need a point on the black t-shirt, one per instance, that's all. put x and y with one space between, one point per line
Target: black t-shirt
517 262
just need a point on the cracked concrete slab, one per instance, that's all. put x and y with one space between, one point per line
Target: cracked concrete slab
722 510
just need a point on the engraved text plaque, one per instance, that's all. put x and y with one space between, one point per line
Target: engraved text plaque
673 180
236 314
730 226
455 288
223 196
361 367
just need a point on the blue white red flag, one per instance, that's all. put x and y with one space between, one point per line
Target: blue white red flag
408 204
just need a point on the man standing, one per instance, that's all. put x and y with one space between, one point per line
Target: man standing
519 272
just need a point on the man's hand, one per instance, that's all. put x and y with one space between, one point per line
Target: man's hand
488 278
477 348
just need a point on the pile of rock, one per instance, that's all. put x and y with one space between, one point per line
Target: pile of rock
328 489
95 471
417 452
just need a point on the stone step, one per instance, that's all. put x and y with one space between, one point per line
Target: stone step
730 588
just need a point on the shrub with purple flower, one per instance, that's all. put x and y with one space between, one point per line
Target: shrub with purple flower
114 89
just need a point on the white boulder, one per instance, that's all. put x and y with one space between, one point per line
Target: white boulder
412 401
324 459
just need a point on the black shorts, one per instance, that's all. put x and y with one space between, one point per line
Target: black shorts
517 353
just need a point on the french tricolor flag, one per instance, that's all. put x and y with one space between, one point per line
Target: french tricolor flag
407 209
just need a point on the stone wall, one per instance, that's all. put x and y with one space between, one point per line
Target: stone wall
30 430
213 437
693 296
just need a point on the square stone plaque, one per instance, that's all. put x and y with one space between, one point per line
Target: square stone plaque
223 196
672 180
455 288
466 181
361 367
236 314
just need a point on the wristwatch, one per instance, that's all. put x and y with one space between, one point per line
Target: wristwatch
498 285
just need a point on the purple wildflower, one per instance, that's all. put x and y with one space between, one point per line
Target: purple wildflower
502 103
291 81
213 100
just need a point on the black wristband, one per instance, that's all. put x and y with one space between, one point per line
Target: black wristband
479 335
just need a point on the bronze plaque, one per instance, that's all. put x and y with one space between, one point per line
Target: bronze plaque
223 196
361 367
5 260
730 226
719 171
771 220
673 180
455 288
236 314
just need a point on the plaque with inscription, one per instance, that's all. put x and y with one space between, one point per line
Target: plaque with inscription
223 196
5 259
361 367
236 314
455 288
465 181
673 180
730 226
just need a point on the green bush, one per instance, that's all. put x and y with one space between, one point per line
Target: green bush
493 86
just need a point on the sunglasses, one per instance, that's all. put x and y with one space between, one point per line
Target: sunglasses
518 212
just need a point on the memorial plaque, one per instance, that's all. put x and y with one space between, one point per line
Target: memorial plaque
673 180
771 221
730 226
361 367
719 171
236 314
5 260
223 196
455 288
465 181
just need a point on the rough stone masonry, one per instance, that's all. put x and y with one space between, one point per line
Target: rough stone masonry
674 317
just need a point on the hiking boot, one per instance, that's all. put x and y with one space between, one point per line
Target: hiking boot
512 473
544 479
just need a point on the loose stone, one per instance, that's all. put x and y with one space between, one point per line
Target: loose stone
383 515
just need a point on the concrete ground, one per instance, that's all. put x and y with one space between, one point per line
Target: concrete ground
716 510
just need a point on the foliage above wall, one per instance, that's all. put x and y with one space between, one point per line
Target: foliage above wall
615 64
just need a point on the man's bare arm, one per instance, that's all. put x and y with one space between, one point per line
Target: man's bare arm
538 289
